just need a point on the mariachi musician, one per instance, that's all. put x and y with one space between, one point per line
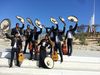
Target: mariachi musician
27 34
17 29
51 32
69 37
16 44
34 40
43 53
56 37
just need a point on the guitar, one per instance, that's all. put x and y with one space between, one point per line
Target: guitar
30 46
20 57
55 56
64 48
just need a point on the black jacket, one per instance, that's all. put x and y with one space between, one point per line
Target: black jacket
72 31
19 41
27 34
14 30
35 35
47 43
56 32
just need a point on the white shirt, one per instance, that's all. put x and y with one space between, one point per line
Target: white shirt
18 33
33 37
70 35
51 35
15 45
43 44
29 31
57 39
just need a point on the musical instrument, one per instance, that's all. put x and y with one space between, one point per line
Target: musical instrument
5 25
20 19
73 19
55 56
20 57
30 21
49 63
64 48
48 49
36 49
62 20
30 46
53 20
38 23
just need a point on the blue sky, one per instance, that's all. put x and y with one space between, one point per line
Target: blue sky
44 9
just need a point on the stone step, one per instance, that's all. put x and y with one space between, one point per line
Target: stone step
66 65
41 71
65 58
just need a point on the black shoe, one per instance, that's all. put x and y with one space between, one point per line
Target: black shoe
69 55
10 65
61 60
24 52
40 66
35 58
30 58
18 65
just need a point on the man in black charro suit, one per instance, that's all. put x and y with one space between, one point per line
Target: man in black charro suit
27 34
17 29
16 44
69 37
34 40
56 36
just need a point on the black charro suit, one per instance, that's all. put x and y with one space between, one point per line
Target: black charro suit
58 39
35 35
34 41
27 34
19 30
16 49
70 39
57 33
43 54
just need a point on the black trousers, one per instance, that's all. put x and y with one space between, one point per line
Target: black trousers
58 47
13 51
26 43
31 54
31 51
69 45
42 57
